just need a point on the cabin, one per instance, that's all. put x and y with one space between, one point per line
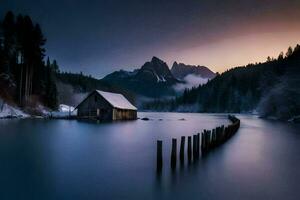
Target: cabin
106 106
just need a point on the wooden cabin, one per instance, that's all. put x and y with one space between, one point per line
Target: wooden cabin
106 106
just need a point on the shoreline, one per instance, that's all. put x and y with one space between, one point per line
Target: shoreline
295 119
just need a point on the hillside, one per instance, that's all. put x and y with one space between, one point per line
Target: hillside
154 79
270 88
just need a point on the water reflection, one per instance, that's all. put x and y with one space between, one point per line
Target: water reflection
43 159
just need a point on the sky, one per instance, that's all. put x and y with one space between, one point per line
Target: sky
98 37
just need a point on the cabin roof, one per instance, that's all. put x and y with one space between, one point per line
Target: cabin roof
117 100
114 99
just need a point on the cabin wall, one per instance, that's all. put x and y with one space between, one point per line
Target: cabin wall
122 114
95 106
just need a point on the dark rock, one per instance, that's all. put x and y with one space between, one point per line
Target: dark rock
145 118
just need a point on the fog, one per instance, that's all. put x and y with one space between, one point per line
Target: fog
68 96
190 80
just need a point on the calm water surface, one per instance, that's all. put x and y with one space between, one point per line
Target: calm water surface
60 159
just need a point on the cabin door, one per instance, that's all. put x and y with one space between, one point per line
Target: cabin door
98 112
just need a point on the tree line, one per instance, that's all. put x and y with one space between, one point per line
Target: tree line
270 88
25 77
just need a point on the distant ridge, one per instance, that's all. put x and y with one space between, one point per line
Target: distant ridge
154 79
181 70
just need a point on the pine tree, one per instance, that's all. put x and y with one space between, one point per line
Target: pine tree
55 67
2 57
289 52
50 88
9 41
22 57
280 56
38 64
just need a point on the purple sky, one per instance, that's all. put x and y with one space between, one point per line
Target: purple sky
99 37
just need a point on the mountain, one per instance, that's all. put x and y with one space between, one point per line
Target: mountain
121 74
180 70
154 79
156 71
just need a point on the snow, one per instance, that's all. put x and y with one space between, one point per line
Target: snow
157 77
8 111
160 79
117 100
43 110
63 111
65 108
295 119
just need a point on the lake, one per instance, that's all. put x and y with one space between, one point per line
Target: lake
61 159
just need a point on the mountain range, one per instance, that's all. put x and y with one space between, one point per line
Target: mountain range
154 79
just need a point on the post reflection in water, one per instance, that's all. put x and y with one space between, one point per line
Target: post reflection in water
43 159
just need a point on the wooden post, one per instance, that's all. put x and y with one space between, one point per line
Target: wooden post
208 140
159 157
182 149
198 145
222 134
212 138
205 140
194 147
174 153
202 141
215 132
218 135
189 150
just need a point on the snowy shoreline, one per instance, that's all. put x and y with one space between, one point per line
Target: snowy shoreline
12 112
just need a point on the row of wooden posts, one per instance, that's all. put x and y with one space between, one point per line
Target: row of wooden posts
209 140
